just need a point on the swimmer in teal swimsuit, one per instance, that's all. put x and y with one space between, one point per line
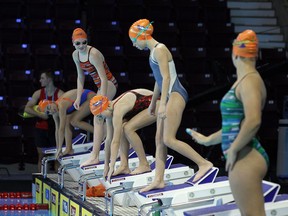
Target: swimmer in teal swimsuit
241 108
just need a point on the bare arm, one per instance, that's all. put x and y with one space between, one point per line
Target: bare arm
56 121
156 93
117 120
31 103
80 76
212 139
62 123
108 140
162 57
97 60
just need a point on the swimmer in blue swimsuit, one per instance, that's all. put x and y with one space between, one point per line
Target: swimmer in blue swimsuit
66 116
241 108
173 100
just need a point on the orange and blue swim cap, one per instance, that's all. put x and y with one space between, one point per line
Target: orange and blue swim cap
246 44
79 33
98 104
141 30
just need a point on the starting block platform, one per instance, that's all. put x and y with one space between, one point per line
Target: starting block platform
78 145
133 162
278 207
119 186
71 165
83 151
66 201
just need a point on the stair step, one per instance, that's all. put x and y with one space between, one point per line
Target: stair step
270 45
252 13
271 37
253 21
249 5
259 29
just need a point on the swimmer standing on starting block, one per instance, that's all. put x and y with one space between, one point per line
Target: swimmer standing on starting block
241 108
91 60
173 100
65 116
124 116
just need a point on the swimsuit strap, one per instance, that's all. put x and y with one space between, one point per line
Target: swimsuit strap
125 94
152 52
242 79
67 99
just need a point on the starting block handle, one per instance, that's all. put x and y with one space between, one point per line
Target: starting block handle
140 209
44 163
82 183
113 191
74 164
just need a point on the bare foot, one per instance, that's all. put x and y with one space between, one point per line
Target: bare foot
203 168
67 152
153 185
141 169
121 170
90 161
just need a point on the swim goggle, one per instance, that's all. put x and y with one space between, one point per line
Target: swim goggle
140 32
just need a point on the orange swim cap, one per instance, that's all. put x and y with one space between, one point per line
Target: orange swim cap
98 104
79 33
141 30
43 104
246 44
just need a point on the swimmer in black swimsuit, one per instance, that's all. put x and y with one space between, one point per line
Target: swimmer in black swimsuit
124 116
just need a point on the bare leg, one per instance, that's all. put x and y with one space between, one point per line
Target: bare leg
68 137
97 140
246 182
161 156
139 121
79 115
124 166
99 130
174 111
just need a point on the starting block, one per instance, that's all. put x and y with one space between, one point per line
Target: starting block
173 190
133 162
120 186
180 200
92 174
63 168
77 144
79 148
81 157
278 207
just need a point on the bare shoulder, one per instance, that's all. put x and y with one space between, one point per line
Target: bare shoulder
60 92
75 55
161 51
95 52
36 94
